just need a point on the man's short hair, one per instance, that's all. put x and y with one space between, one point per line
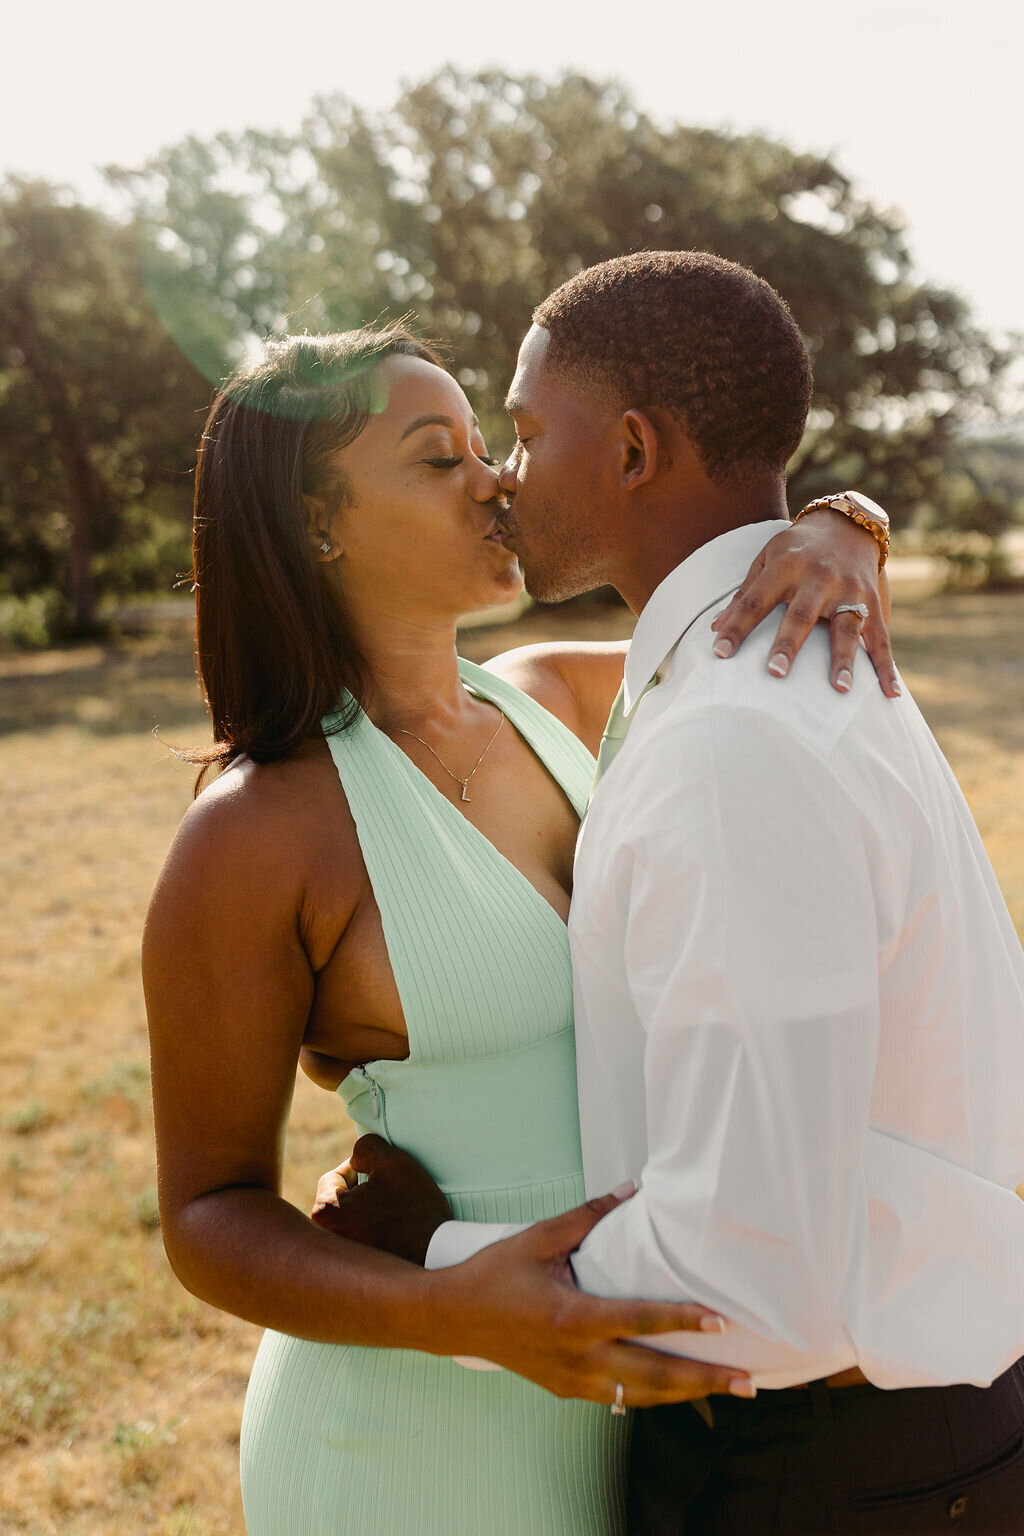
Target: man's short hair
700 337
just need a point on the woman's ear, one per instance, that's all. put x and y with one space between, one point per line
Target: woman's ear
643 452
318 527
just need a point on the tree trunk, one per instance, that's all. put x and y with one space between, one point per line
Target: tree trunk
84 487
82 508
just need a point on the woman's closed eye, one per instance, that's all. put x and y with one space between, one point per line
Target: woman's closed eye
452 461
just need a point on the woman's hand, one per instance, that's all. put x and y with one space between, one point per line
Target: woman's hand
823 561
573 1344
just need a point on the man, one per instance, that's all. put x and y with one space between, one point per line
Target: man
799 996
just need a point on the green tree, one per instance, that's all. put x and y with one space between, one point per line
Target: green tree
984 481
97 408
463 204
476 194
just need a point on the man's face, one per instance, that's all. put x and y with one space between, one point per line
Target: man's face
555 477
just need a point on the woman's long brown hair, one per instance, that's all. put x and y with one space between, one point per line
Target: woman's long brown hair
274 650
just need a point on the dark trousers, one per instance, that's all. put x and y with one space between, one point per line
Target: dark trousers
849 1459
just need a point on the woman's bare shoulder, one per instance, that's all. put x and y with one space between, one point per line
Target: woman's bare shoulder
263 827
575 680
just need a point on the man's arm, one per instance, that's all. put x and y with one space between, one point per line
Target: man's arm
751 957
752 889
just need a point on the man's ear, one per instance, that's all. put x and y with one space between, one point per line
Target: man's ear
318 529
643 450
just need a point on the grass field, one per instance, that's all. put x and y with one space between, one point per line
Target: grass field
121 1395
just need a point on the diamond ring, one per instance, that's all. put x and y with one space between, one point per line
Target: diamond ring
860 609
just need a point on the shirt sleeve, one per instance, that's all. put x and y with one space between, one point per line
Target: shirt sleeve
456 1241
751 960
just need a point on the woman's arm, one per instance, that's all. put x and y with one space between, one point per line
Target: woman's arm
228 986
813 566
575 680
228 989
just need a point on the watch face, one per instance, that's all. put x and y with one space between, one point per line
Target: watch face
868 507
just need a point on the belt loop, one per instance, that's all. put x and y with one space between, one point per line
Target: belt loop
821 1402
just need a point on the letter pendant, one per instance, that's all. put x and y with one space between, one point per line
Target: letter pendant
465 789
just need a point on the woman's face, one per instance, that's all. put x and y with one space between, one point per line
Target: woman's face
418 538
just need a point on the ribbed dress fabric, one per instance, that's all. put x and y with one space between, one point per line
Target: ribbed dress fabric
382 1442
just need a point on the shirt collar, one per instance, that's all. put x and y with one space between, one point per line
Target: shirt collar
704 578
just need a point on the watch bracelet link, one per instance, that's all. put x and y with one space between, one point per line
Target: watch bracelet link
847 509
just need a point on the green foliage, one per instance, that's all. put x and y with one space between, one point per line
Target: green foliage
984 483
33 1116
475 195
97 415
973 562
463 204
32 622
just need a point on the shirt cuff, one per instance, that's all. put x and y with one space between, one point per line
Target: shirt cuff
456 1241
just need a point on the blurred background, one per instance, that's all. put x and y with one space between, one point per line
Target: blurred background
176 184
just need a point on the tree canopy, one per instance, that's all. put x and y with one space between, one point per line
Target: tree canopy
464 204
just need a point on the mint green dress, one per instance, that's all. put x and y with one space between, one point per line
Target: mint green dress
380 1442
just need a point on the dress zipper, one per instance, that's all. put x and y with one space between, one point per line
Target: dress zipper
377 1097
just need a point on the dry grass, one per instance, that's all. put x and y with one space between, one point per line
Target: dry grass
120 1395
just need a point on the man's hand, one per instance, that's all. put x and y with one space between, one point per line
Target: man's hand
398 1208
823 561
518 1304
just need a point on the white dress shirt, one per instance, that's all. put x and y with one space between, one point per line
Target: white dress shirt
799 1017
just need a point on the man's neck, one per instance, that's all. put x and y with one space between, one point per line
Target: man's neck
673 529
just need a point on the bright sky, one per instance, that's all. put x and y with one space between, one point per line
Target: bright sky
920 100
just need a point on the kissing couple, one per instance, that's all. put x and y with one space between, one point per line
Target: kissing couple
798 997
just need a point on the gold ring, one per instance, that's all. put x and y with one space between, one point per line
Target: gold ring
619 1405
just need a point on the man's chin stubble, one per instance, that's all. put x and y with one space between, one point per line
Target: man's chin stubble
554 587
557 578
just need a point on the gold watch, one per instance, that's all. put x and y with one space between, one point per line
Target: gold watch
862 510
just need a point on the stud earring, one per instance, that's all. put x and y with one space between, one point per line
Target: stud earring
325 548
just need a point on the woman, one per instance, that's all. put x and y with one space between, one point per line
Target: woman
379 891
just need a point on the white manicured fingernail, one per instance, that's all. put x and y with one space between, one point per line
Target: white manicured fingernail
778 665
710 1324
844 680
624 1191
897 690
724 647
741 1387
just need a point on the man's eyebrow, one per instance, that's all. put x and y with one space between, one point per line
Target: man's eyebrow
431 421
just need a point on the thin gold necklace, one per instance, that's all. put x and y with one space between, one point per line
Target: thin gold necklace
464 782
